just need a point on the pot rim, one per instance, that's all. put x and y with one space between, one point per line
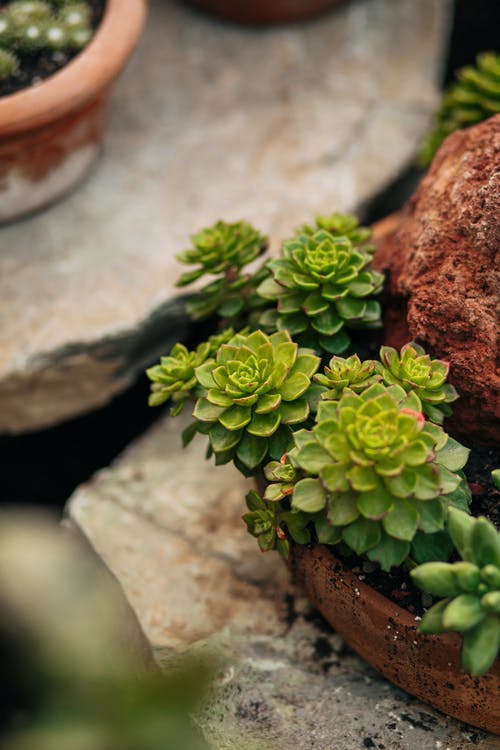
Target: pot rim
82 79
382 604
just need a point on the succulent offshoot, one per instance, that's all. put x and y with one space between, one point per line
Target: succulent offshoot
415 371
321 285
471 591
223 251
351 373
474 97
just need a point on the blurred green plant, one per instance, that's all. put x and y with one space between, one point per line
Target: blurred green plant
73 677
31 27
474 97
471 589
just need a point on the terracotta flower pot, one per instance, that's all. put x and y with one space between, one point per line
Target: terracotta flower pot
51 133
265 11
386 636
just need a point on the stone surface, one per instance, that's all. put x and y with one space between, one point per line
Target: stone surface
209 121
445 276
168 524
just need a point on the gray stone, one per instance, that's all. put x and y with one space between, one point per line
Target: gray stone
168 525
209 121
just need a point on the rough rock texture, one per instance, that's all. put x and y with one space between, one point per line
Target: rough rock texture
168 524
444 264
209 121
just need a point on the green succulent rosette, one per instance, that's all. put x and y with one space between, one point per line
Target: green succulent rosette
473 98
471 589
254 391
273 526
320 286
377 473
342 225
174 378
414 370
347 373
222 251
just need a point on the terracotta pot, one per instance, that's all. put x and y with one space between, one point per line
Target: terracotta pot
265 11
51 133
386 636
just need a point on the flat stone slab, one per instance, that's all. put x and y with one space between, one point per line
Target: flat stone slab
209 121
168 524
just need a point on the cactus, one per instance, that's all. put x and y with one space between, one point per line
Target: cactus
32 27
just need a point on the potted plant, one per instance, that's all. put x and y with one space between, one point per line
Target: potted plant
265 12
52 131
359 485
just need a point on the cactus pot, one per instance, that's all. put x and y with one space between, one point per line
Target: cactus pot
263 12
385 635
51 133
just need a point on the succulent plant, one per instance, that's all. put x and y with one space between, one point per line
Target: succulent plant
174 378
342 225
471 589
474 97
377 472
30 27
414 370
269 524
9 63
321 285
495 475
254 390
347 373
223 250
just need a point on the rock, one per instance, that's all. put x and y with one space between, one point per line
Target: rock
168 524
209 121
443 261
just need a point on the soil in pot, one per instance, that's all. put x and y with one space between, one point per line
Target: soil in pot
38 67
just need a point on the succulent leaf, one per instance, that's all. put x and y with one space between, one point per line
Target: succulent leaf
472 588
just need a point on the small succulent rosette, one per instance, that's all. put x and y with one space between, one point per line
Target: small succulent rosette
321 286
471 589
343 225
377 477
351 373
255 390
222 251
414 370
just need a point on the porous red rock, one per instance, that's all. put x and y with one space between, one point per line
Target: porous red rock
444 273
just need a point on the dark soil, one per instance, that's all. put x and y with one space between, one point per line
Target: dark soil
35 68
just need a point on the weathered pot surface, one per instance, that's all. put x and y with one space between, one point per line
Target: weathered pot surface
51 133
265 11
386 636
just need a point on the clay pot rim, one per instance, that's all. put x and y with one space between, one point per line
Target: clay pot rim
89 73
